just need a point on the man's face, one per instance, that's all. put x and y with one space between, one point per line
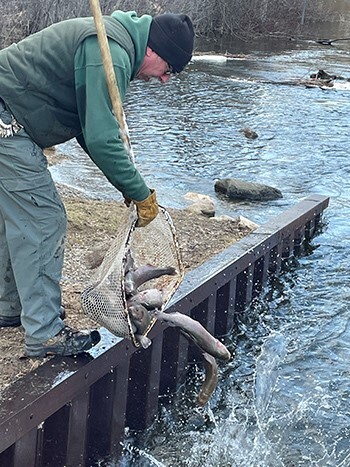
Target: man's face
153 66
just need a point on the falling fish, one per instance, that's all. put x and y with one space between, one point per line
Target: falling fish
134 278
210 380
195 331
144 305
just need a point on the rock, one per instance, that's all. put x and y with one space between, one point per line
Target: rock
191 196
202 208
241 190
223 218
249 133
244 222
241 221
96 255
203 204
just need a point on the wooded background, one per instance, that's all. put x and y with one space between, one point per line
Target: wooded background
244 19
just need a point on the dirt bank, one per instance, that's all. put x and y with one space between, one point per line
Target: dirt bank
91 222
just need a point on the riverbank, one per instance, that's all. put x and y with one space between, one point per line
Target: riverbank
90 223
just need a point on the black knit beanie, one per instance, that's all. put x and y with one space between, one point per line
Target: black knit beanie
171 36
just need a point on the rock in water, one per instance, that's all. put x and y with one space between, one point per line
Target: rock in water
240 190
249 133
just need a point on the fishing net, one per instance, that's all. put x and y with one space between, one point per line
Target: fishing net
104 299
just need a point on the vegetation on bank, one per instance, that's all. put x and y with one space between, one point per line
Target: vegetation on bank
244 19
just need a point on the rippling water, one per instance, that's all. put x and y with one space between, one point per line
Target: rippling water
285 398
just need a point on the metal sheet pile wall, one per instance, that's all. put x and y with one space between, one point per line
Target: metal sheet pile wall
73 411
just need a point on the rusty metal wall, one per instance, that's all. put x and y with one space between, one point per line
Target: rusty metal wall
72 412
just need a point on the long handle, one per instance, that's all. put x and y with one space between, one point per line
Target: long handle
110 76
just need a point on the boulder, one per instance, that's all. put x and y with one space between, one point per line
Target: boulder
202 208
202 204
240 190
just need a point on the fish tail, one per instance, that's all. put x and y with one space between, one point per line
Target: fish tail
210 380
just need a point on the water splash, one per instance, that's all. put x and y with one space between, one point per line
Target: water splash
134 456
272 355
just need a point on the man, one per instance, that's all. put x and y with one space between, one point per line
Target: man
53 88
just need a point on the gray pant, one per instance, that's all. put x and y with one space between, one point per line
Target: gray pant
32 233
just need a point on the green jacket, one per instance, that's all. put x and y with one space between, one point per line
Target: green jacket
54 84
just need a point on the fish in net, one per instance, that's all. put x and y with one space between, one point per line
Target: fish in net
108 298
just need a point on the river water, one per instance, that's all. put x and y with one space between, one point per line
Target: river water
284 400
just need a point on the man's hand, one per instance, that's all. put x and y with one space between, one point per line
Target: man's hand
147 210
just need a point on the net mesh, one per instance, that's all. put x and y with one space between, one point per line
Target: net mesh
104 299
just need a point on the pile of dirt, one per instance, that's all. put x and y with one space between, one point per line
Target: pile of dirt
90 223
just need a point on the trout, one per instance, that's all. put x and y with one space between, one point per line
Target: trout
210 380
140 322
140 317
195 331
136 277
149 298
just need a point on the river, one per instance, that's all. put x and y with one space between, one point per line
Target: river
285 398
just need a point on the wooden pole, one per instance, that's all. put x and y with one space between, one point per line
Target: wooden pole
303 12
110 76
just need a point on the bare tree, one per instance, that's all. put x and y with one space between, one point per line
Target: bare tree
239 18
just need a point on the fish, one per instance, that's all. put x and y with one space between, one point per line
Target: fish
140 317
149 298
196 332
140 302
144 341
210 380
135 277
